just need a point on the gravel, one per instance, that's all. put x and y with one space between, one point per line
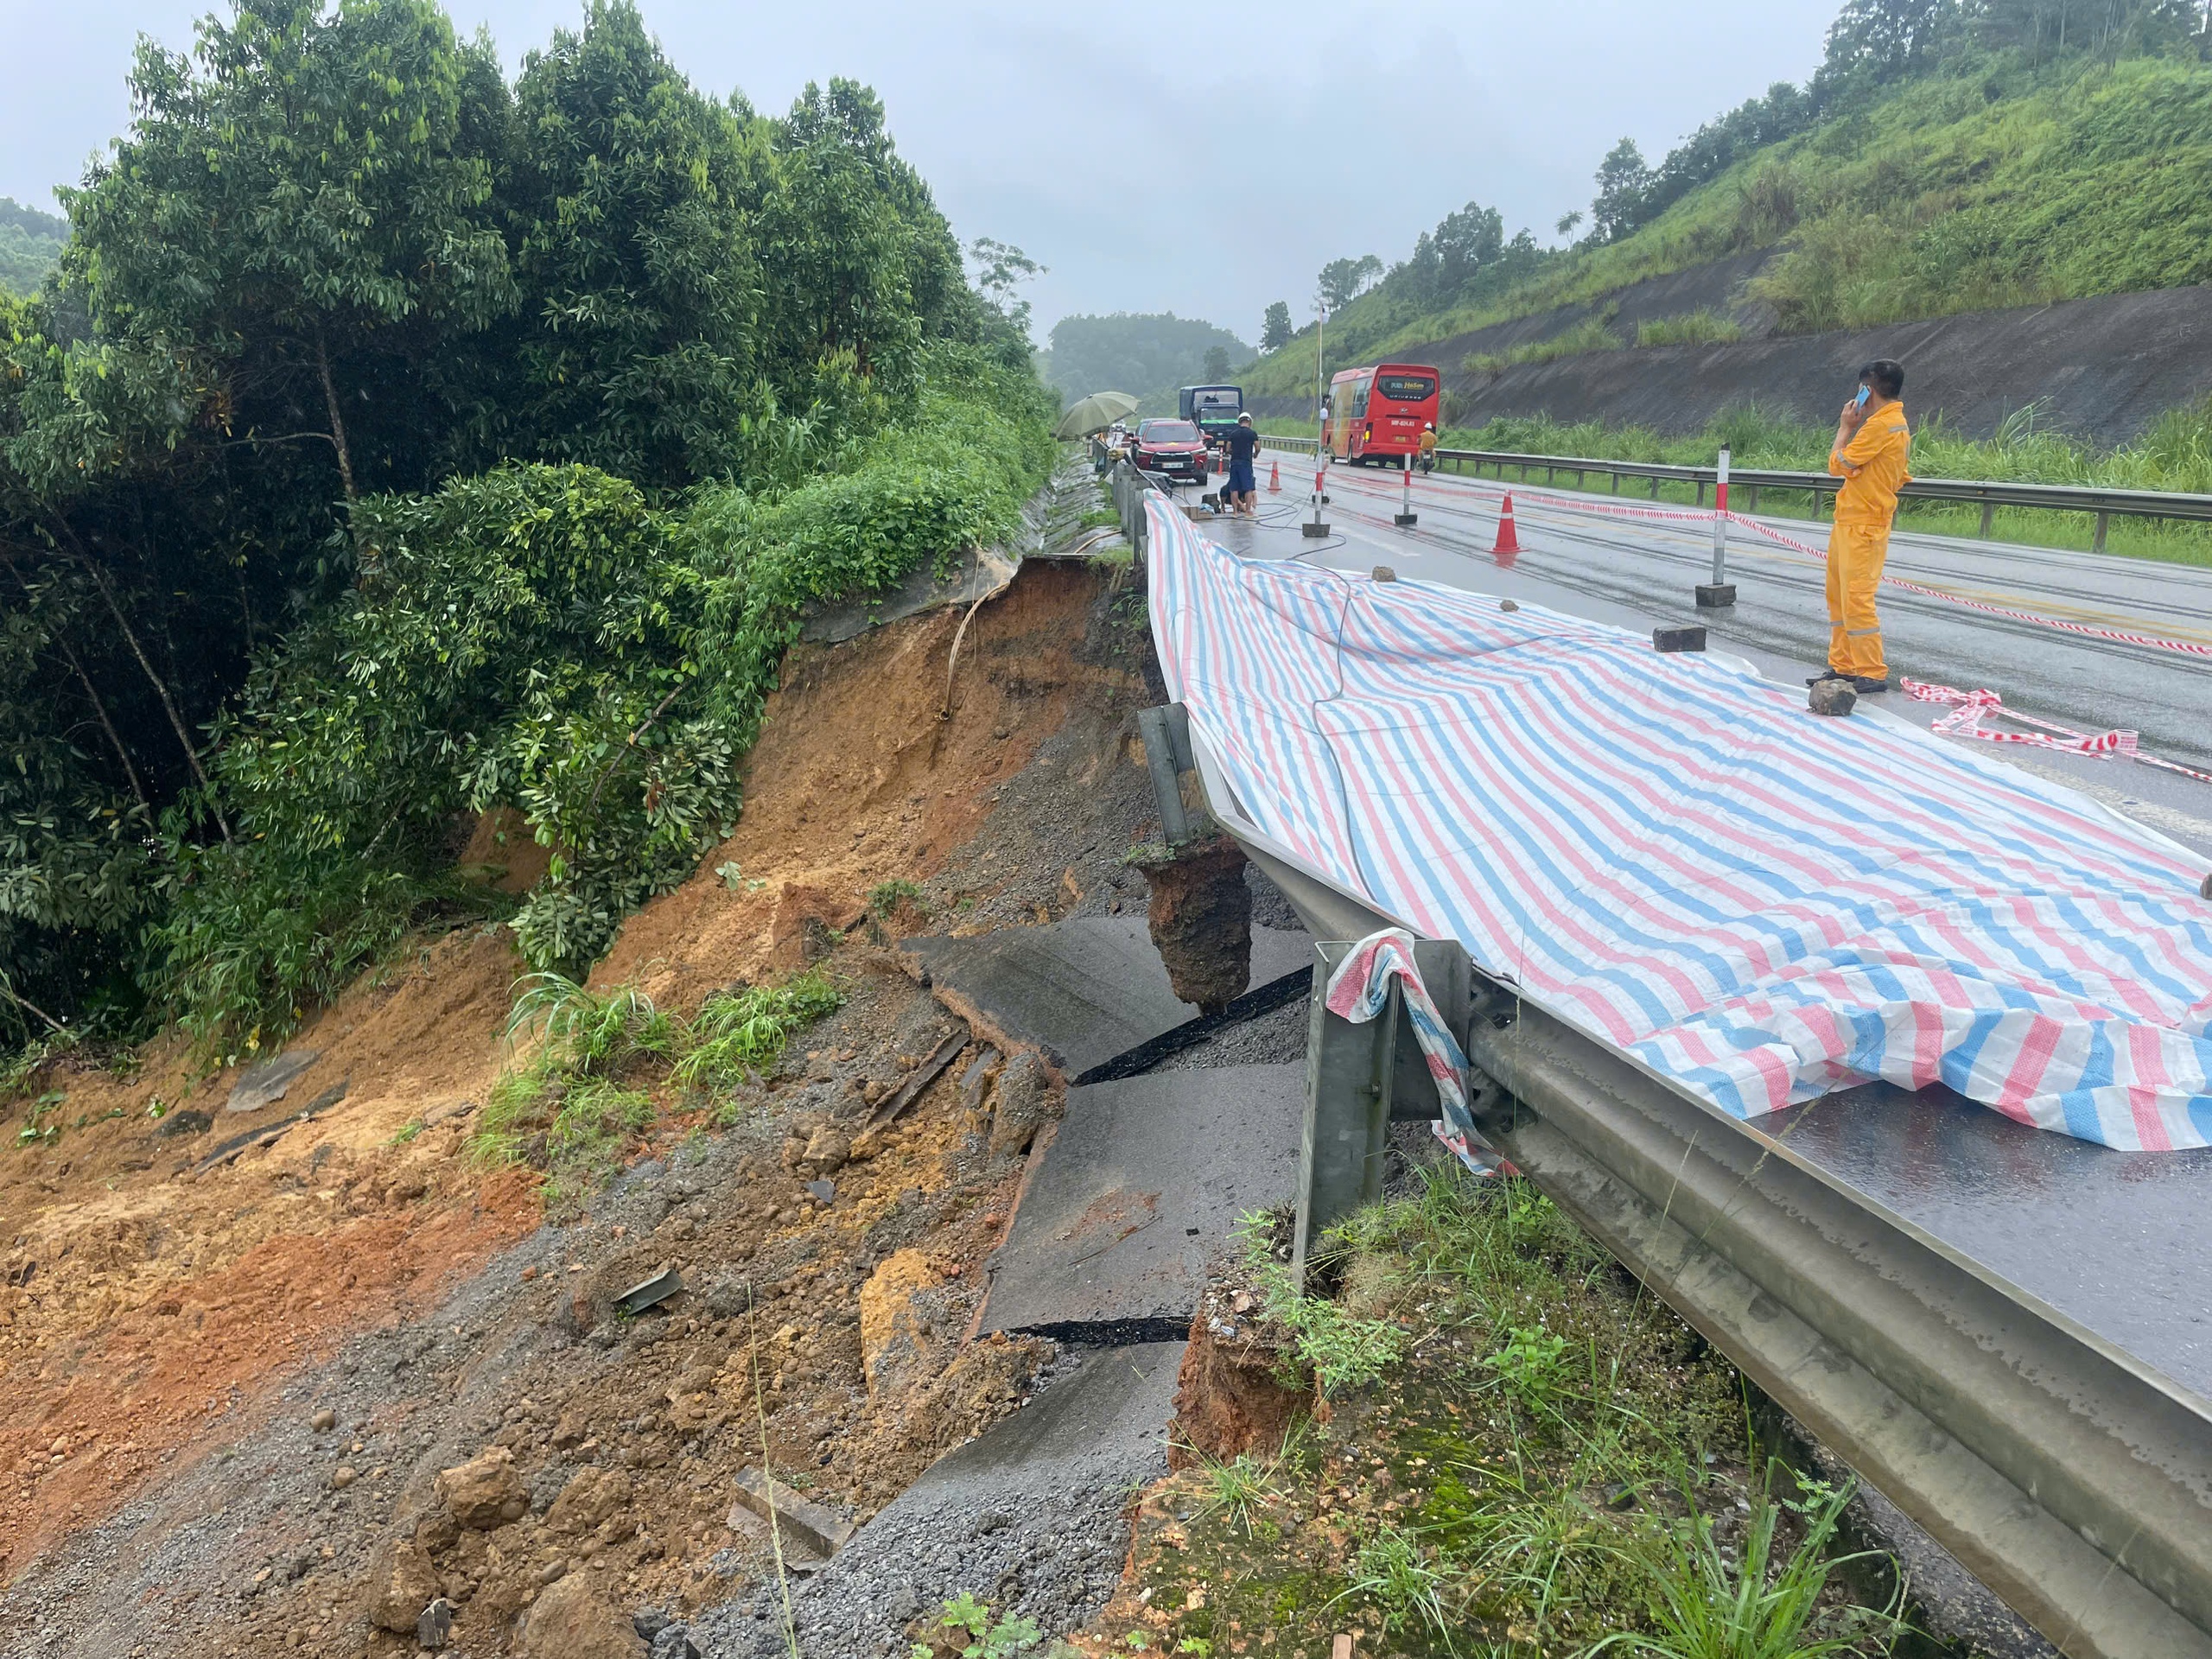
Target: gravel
1030 1517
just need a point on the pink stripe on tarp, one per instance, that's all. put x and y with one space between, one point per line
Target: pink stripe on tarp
1650 846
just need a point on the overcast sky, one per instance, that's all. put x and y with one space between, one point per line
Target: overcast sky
1205 169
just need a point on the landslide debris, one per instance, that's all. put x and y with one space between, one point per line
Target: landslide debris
427 1417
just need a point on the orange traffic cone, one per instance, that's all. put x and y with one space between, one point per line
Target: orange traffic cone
1508 542
1274 479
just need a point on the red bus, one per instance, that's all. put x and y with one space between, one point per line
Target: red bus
1376 413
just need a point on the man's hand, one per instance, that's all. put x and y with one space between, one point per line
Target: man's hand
1854 412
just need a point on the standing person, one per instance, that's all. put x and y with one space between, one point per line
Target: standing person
1872 448
1428 446
1243 451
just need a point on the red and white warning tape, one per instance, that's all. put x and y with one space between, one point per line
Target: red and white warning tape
1975 706
1965 721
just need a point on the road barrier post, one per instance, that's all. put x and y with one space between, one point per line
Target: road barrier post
1313 528
1404 514
1712 595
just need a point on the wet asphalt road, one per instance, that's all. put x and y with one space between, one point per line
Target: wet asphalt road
1640 573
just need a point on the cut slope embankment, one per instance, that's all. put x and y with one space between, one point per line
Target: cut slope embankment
2099 369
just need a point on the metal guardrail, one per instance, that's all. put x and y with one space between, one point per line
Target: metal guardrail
1130 486
2068 1477
2106 504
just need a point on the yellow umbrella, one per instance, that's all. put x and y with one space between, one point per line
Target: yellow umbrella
1094 414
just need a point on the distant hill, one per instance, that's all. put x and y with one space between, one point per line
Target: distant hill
1949 156
30 243
1143 354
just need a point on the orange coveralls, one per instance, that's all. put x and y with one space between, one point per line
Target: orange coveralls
1872 467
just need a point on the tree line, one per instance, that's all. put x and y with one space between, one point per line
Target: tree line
337 263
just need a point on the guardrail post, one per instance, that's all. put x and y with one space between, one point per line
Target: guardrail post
1166 733
1712 595
1360 1079
1404 514
2098 544
1988 515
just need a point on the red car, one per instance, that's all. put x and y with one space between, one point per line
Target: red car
1172 449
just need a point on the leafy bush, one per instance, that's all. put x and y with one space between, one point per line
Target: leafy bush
965 1630
543 637
577 1031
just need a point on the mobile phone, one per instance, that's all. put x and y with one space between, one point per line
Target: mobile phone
1864 392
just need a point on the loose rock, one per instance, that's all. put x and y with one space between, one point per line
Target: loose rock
1025 1103
402 1583
486 1490
571 1620
1831 697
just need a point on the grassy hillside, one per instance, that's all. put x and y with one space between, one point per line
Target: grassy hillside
30 245
1993 181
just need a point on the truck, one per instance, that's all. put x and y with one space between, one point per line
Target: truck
1213 410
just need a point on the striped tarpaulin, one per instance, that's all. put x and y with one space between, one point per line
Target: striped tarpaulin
1677 857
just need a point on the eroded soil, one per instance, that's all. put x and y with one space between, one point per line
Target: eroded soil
235 1384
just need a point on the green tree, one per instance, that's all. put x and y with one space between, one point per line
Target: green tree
1622 180
1217 363
1874 41
1275 327
1142 353
634 199
860 264
1000 270
1446 260
1343 280
298 215
30 245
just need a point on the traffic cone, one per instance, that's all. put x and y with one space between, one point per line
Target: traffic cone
1274 479
1508 542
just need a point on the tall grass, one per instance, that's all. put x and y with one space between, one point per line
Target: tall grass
579 1094
1591 334
1753 1599
1699 327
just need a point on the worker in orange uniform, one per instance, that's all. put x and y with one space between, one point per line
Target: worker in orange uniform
1873 447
